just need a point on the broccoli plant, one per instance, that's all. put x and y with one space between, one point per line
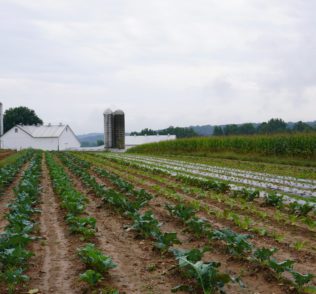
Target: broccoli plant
199 226
206 274
147 225
237 244
165 241
280 267
264 254
91 277
95 259
300 280
300 209
181 211
272 199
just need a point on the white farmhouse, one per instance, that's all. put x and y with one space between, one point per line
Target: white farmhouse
45 137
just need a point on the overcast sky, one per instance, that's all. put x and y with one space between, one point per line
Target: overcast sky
164 62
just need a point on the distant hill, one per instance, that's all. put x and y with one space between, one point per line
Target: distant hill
90 138
204 130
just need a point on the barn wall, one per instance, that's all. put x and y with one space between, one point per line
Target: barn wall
22 140
68 140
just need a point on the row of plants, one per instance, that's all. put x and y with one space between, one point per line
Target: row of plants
10 170
147 226
97 264
238 245
14 255
303 211
232 213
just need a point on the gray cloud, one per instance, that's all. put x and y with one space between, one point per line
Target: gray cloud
163 62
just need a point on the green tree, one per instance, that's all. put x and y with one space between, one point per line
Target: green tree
20 115
230 130
246 129
218 131
301 127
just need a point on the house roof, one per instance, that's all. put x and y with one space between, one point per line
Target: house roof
43 131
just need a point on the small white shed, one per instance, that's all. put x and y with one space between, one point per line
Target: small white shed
45 137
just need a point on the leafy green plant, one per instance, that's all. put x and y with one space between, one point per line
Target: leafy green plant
237 244
95 259
82 225
300 279
199 226
280 267
206 275
272 199
181 211
91 277
146 224
264 254
166 240
300 209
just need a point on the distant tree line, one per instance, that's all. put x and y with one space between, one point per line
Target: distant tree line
179 132
274 125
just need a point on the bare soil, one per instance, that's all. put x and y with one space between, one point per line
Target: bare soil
54 269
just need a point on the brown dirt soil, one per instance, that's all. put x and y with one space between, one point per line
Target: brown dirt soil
255 281
139 268
8 196
291 235
305 261
55 266
5 154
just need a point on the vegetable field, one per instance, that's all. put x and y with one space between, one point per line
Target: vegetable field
78 222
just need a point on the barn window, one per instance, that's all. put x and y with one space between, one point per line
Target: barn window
16 130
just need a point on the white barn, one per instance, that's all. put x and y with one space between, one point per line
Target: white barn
45 137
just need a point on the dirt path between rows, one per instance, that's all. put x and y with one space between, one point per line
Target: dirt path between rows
54 268
8 196
139 268
304 263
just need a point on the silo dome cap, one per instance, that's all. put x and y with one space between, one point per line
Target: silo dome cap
119 111
108 111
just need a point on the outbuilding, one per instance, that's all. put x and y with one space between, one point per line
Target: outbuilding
45 137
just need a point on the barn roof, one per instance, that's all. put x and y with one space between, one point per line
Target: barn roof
43 131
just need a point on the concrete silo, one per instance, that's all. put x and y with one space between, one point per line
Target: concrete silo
119 129
108 128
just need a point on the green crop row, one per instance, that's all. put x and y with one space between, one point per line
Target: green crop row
74 202
147 226
10 170
14 254
237 244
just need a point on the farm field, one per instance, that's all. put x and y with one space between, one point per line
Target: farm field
78 222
